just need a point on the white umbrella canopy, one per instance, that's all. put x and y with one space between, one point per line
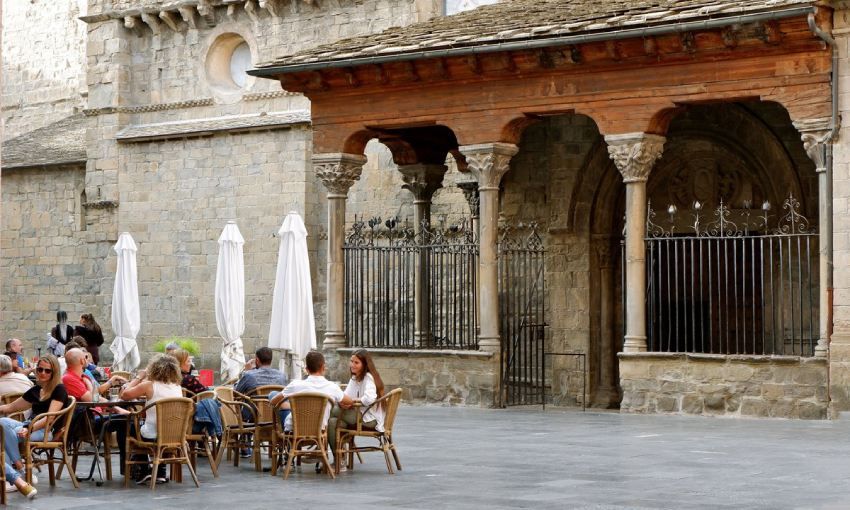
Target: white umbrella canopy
125 307
292 325
230 300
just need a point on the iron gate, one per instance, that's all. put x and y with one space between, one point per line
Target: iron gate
522 292
740 284
382 264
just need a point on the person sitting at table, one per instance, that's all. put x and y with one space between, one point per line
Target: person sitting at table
188 381
10 381
90 330
159 381
314 382
365 387
260 373
78 384
48 395
17 347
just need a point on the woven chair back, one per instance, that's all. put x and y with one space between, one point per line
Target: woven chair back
63 417
391 409
263 391
173 419
264 409
308 414
224 392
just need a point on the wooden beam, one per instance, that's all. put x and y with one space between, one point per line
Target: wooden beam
473 64
317 81
381 74
351 77
441 68
410 71
650 46
730 36
769 33
613 51
688 42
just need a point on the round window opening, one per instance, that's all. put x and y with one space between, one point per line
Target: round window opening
228 59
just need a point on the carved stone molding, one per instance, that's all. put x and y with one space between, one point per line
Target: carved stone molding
470 193
635 154
101 204
339 171
489 162
146 108
272 94
815 135
422 180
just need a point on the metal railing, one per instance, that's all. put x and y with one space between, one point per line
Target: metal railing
522 304
382 263
729 289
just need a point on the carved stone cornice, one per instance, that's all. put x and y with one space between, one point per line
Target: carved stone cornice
259 96
489 162
815 134
635 154
147 108
338 171
422 179
470 193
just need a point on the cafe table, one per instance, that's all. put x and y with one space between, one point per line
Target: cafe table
97 439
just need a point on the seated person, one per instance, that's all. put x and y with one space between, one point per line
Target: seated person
16 347
48 395
159 381
314 382
188 381
11 381
365 387
263 375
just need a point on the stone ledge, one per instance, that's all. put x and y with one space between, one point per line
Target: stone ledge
211 126
421 353
720 358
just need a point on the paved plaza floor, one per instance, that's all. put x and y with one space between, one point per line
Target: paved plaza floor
459 458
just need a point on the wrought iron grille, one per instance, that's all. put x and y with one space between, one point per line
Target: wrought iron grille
732 282
382 261
522 293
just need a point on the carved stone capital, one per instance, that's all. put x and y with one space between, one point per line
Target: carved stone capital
470 193
338 171
635 154
603 253
422 180
815 135
489 162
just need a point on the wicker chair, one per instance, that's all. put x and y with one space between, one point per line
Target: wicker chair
203 395
281 440
235 430
59 441
224 392
8 399
345 437
173 422
2 463
308 429
121 373
203 442
263 391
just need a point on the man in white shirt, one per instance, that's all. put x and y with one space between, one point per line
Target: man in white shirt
11 382
315 382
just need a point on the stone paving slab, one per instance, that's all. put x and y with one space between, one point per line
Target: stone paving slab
460 458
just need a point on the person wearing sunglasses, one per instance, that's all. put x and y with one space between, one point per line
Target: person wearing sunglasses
48 395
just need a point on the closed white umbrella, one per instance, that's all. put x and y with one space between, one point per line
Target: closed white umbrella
125 307
230 300
292 326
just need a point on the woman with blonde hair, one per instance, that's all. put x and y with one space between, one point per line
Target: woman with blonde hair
160 380
48 395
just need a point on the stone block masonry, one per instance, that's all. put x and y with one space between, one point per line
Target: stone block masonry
718 385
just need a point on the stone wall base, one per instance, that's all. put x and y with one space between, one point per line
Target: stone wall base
710 384
431 376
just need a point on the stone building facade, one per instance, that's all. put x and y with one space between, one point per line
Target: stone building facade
174 140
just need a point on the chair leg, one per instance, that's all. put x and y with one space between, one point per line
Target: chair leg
51 470
191 469
222 447
155 470
395 452
107 458
323 448
71 472
213 467
293 452
127 453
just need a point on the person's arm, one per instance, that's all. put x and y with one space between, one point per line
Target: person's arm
104 388
137 388
370 392
345 401
18 405
243 383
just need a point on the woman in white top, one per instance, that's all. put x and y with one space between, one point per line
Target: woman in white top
365 387
160 380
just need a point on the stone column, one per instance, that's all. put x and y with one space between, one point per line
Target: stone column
816 141
489 162
606 393
634 154
422 180
338 173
